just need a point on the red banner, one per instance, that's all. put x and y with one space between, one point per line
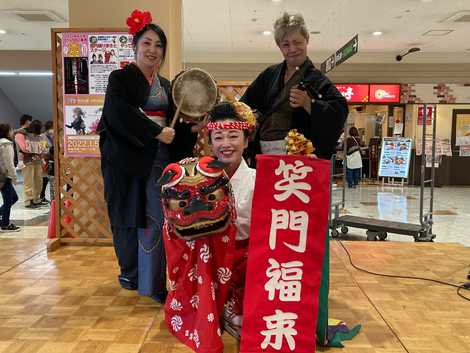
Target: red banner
384 93
429 114
287 238
354 93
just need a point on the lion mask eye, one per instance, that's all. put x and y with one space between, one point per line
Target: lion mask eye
172 175
207 167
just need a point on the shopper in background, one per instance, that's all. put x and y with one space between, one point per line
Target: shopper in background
353 158
7 178
48 158
295 95
136 144
25 120
31 146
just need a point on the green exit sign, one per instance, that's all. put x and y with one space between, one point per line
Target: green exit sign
341 55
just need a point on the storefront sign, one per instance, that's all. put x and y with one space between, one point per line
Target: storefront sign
88 59
287 244
388 93
395 157
354 93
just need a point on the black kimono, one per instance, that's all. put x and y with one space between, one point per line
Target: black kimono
128 149
328 113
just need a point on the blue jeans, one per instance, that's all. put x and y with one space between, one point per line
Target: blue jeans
353 176
9 199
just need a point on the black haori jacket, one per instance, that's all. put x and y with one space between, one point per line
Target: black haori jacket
329 112
127 135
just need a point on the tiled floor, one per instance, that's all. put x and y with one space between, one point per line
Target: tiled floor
451 211
451 206
69 301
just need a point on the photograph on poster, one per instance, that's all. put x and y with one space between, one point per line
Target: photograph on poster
82 120
76 75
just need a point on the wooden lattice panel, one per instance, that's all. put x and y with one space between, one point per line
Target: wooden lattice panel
81 213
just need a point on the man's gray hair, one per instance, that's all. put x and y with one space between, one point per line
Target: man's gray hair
289 23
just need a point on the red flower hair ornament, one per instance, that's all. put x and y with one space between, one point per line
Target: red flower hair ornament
138 20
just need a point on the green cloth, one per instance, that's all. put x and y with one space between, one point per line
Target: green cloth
322 321
338 330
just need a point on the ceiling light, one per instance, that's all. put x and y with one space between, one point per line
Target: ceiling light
266 33
34 73
2 31
377 33
8 73
426 1
25 73
276 0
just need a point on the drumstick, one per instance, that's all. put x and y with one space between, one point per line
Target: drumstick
175 117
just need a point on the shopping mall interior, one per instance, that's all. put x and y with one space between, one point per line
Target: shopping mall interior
391 275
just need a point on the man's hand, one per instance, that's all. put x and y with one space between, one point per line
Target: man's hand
166 135
299 98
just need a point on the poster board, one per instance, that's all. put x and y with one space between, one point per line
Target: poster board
87 60
395 157
81 212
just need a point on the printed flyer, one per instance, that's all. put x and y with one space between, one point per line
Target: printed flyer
395 157
88 59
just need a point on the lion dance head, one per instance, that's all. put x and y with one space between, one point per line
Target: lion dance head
197 198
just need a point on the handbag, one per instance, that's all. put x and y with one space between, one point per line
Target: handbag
354 160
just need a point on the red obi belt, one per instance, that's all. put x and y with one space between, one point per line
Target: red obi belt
161 113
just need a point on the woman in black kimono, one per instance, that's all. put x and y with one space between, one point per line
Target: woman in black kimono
136 144
295 95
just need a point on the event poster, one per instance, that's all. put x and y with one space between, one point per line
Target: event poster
88 59
464 151
395 157
462 130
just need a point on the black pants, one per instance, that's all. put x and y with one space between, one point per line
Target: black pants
45 180
9 199
125 245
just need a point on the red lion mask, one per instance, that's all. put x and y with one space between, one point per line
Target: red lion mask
197 198
199 236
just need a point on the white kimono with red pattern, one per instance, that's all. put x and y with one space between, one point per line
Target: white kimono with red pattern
199 274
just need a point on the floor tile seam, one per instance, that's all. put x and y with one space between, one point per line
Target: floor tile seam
389 325
148 330
37 253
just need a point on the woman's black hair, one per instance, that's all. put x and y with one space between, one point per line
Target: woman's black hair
158 30
353 131
48 125
24 118
4 131
225 111
35 127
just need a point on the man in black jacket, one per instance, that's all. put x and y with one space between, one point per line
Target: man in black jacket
295 95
